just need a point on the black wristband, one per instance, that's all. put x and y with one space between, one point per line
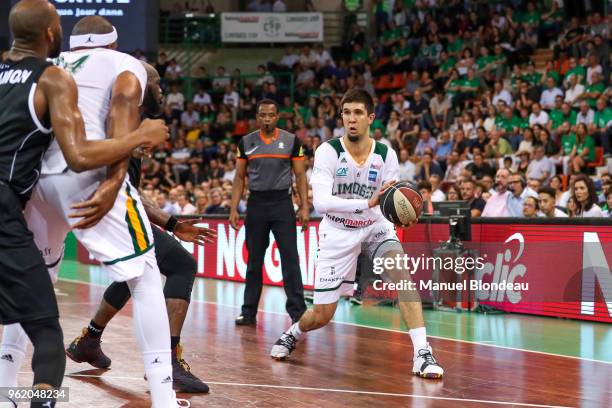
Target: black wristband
171 223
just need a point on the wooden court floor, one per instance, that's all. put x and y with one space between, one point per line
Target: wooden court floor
341 365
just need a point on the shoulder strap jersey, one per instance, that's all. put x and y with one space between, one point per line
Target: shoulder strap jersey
23 137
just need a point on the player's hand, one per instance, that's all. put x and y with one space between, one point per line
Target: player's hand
304 218
94 209
234 219
375 200
153 132
186 230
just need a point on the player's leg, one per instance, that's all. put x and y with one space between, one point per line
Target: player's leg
257 241
282 222
27 296
153 332
49 232
411 309
335 275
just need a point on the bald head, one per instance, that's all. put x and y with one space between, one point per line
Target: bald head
152 74
36 23
153 94
92 25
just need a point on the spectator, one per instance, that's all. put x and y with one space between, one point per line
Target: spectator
173 71
497 204
547 197
279 6
216 203
585 115
428 167
426 141
178 159
222 79
520 191
229 172
424 187
175 100
184 206
550 94
453 193
195 175
497 147
201 98
538 116
289 58
164 205
586 198
407 169
600 128
479 167
583 149
531 207
540 168
608 206
162 64
501 94
468 193
190 119
454 167
437 195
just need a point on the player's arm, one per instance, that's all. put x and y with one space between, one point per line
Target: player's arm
298 163
185 230
238 186
58 91
322 181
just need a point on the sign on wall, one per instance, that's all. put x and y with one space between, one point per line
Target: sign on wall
271 27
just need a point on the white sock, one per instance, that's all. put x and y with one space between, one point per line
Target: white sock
12 353
295 331
153 333
419 339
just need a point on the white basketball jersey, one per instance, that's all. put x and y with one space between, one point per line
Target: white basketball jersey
351 181
95 72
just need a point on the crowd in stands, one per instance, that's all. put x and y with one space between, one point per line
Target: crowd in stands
462 95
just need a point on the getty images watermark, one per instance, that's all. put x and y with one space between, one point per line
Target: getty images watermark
399 266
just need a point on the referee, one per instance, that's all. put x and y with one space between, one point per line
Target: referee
269 155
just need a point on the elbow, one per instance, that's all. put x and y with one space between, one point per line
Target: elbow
77 164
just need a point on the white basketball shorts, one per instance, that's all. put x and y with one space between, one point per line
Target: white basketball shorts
337 254
118 241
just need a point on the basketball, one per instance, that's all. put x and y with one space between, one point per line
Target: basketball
401 203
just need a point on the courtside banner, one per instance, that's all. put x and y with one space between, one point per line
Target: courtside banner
271 27
566 268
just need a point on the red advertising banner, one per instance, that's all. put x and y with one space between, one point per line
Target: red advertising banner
566 267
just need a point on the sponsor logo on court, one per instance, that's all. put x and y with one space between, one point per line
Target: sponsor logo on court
505 270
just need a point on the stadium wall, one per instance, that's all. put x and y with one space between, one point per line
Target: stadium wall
566 263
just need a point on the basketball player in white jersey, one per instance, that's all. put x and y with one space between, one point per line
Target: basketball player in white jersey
111 88
349 176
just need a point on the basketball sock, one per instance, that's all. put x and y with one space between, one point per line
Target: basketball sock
12 353
94 330
419 339
295 331
174 341
153 332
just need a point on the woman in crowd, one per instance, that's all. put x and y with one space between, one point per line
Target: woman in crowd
586 197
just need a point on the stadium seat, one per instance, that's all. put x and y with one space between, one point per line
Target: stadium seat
241 128
599 159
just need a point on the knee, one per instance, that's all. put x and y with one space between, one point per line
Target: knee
179 283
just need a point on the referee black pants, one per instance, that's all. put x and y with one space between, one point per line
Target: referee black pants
272 211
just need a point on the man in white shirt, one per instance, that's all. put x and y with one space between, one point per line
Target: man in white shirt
407 169
454 166
436 194
519 191
538 116
175 100
222 79
185 207
279 7
190 118
541 167
497 203
501 94
585 115
547 99
290 58
547 204
202 98
574 91
322 57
